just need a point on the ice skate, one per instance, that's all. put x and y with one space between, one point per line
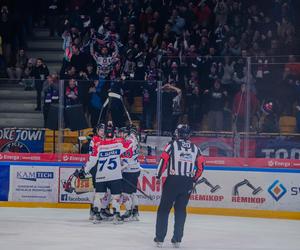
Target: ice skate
135 214
92 213
97 218
92 216
127 215
106 215
175 243
158 243
117 219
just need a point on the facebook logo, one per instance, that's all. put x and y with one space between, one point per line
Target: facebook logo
64 197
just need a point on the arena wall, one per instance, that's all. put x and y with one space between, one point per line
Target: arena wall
228 186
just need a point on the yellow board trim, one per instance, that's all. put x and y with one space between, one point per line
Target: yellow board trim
194 210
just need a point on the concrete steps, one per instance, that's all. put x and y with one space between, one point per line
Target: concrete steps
16 94
46 47
44 44
16 105
12 106
41 32
36 115
47 55
21 123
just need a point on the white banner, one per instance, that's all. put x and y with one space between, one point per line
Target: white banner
263 190
33 183
72 189
248 190
236 189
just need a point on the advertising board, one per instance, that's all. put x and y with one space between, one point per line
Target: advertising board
33 183
73 189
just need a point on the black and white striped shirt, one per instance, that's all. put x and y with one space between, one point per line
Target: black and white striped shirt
182 158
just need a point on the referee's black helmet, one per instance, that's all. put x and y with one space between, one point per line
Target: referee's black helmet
183 131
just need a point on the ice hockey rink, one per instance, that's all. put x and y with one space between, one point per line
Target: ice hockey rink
69 229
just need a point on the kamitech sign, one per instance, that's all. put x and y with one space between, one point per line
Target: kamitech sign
33 176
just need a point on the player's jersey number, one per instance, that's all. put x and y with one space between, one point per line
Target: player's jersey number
110 164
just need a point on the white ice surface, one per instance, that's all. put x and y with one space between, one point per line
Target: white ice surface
69 229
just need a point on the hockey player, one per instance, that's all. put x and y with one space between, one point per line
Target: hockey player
106 157
184 164
131 172
99 131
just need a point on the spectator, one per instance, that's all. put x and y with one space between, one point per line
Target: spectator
96 101
27 75
85 80
180 37
53 16
71 96
70 73
149 95
50 95
6 33
194 108
267 120
216 103
16 72
171 106
39 73
239 108
221 12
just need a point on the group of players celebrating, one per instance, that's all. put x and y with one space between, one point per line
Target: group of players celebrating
114 167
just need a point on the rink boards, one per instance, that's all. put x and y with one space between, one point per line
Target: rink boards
259 191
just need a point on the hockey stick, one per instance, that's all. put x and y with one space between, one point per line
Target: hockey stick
108 100
141 191
126 111
102 109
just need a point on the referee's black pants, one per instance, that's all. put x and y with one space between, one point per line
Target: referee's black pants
176 191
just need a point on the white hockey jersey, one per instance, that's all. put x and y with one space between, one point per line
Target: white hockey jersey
130 163
106 156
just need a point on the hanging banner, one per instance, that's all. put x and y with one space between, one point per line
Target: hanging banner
284 147
22 140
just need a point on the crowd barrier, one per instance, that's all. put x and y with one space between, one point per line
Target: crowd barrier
229 186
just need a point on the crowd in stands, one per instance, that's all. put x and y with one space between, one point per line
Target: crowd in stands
198 50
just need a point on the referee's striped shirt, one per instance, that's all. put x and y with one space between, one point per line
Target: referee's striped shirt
182 158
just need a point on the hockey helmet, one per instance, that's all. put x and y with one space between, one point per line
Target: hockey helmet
133 129
124 130
183 131
109 131
99 129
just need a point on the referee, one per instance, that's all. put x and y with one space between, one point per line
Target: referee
184 164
